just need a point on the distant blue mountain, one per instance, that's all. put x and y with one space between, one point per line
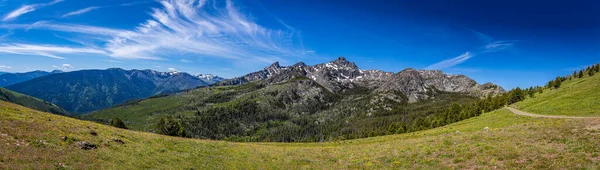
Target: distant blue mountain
88 90
7 79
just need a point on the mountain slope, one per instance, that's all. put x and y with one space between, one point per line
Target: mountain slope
575 97
88 90
341 75
283 104
30 102
39 140
8 79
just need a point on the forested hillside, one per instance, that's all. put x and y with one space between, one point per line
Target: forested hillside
30 102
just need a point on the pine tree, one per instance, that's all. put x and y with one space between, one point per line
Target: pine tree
557 82
550 84
170 126
574 74
531 92
597 67
580 74
591 72
516 95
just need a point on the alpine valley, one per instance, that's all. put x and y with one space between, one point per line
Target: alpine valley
299 103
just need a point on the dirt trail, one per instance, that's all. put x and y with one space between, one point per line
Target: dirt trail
547 116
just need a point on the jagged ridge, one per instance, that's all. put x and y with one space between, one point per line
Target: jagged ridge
340 75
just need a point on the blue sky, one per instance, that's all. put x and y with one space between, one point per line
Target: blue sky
511 43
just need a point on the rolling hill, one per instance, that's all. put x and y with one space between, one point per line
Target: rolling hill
30 102
88 90
36 140
575 97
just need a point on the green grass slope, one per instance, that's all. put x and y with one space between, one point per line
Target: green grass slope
144 114
30 102
35 140
575 97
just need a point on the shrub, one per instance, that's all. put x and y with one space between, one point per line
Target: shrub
170 126
116 122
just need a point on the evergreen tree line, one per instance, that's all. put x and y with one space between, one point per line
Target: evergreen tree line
457 112
589 70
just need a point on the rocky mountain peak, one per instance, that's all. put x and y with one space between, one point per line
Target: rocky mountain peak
341 59
57 71
299 64
408 70
210 78
340 75
273 66
342 62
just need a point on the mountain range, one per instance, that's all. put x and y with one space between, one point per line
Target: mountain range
8 79
88 90
514 126
341 75
300 103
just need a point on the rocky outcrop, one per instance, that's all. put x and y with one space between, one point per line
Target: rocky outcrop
341 75
255 76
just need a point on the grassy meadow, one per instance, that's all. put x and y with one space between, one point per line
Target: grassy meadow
35 140
575 97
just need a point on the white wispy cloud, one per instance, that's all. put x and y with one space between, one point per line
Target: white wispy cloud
498 46
26 9
16 13
5 35
3 67
81 11
72 28
64 67
494 46
185 61
51 51
450 62
189 27
135 3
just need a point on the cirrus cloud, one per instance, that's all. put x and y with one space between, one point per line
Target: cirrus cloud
81 11
3 67
494 46
51 51
186 27
26 9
